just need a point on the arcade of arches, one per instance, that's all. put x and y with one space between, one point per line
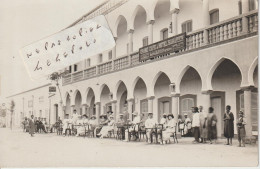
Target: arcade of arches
226 81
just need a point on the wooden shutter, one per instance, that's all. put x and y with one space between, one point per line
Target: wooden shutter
189 26
110 55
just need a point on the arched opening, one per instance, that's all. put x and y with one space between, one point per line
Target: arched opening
226 80
122 98
162 18
162 93
105 100
67 108
140 27
140 98
78 101
122 39
190 90
91 103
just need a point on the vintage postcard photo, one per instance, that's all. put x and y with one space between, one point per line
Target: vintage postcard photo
129 83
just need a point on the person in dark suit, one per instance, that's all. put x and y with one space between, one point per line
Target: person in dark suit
31 126
228 125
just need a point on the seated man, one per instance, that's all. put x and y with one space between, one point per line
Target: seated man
187 125
120 124
82 128
67 125
149 125
134 128
106 128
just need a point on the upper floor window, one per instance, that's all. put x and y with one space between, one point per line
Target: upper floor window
110 55
251 5
214 16
70 69
164 33
75 68
145 41
100 58
88 62
186 26
239 7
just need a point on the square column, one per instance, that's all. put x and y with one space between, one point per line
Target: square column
248 115
206 20
84 106
206 100
245 9
130 108
71 110
113 104
150 31
175 105
97 105
174 14
130 41
150 104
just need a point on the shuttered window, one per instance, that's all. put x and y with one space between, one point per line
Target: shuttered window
88 62
251 5
75 68
186 26
110 55
164 33
144 108
100 57
239 7
69 69
145 41
186 105
214 16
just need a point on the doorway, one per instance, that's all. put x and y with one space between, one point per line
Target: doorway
164 106
218 103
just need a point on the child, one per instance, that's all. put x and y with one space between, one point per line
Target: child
241 129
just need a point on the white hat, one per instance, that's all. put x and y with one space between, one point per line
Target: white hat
135 113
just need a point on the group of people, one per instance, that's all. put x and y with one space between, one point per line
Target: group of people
34 124
203 126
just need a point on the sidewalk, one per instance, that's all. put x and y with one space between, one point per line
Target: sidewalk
18 149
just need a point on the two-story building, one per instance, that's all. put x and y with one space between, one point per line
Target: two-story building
170 55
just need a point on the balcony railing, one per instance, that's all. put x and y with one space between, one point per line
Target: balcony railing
238 27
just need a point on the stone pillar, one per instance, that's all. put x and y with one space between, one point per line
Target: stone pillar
248 115
175 13
113 104
247 111
175 105
206 102
84 106
130 41
206 20
72 107
245 9
130 108
97 105
150 104
150 31
114 50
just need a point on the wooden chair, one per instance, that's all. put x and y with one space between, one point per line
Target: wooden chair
174 135
142 132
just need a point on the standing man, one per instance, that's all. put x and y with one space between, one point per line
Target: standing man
196 124
203 125
31 126
241 132
228 125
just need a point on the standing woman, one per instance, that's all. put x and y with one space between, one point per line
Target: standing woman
31 126
228 125
212 125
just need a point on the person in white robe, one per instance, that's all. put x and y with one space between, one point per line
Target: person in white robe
150 125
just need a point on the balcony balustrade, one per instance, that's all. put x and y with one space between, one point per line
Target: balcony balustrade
222 32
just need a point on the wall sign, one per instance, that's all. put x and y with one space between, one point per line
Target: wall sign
172 44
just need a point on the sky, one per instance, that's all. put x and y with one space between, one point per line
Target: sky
23 22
